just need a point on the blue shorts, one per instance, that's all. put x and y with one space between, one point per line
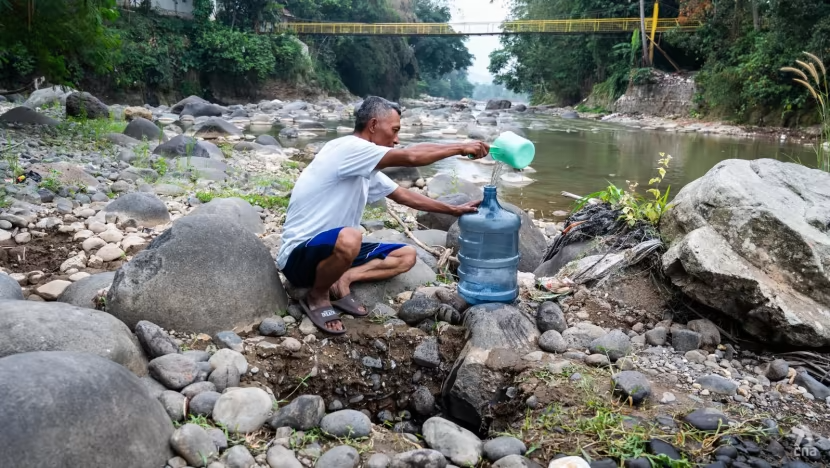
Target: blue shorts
301 267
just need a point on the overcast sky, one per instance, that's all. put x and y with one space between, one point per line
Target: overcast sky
465 11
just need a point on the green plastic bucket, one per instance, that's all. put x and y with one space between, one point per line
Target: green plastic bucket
513 150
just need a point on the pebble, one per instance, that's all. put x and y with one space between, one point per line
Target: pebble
303 413
111 236
281 457
203 403
614 345
706 419
378 460
238 456
109 253
243 410
225 376
229 340
307 327
695 356
422 401
633 385
372 362
231 357
685 340
23 238
51 290
342 456
272 326
569 462
549 316
79 276
717 384
173 403
668 397
192 443
661 447
459 445
552 342
291 344
346 423
198 387
174 371
426 353
423 458
598 360
500 447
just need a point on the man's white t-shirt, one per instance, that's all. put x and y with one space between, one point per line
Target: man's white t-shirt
333 191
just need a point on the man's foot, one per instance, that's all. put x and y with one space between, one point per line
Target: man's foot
322 314
345 301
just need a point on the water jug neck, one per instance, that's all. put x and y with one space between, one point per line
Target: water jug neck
490 199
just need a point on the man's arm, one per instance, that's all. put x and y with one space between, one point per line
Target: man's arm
419 202
425 154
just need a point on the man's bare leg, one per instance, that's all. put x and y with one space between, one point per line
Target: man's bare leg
330 270
397 262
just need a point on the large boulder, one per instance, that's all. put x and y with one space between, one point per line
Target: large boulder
446 184
441 221
66 173
476 381
202 109
179 106
216 127
184 146
26 115
205 273
235 209
147 209
10 288
402 174
750 239
498 104
87 106
143 129
77 409
27 326
82 293
532 243
46 97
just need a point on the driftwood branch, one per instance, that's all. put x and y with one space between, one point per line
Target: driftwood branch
444 255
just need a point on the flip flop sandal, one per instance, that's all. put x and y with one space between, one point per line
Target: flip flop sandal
321 316
349 305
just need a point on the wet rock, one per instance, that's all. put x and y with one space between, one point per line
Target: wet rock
615 345
718 384
549 316
706 419
685 340
86 106
459 445
53 326
174 371
660 447
633 385
173 403
146 209
127 427
231 279
272 326
552 342
302 414
155 341
426 354
243 410
203 403
500 447
423 458
346 423
342 456
725 450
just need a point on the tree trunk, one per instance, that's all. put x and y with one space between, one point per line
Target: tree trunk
756 18
643 32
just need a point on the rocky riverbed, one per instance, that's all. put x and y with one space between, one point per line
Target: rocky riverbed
141 264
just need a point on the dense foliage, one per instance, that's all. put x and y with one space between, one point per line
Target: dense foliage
738 52
453 85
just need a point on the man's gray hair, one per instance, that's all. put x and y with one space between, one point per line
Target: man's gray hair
373 107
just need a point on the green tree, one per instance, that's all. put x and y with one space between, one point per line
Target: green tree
438 56
453 85
58 39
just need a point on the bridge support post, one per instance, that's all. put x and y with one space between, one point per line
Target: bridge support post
653 32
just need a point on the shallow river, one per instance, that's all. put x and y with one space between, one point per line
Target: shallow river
583 156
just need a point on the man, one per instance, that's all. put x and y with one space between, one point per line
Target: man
322 247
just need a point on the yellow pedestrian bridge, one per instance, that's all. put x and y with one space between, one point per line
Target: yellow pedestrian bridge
562 26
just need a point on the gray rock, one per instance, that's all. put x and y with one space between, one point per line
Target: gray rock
818 389
267 140
203 274
53 326
614 344
549 316
225 376
183 146
657 336
695 356
632 384
87 106
422 401
709 333
569 115
295 106
174 371
471 386
197 355
378 460
500 447
518 461
281 457
598 360
203 403
238 456
27 116
302 414
142 129
459 445
243 410
430 237
552 342
685 340
426 354
46 96
155 341
228 356
153 388
418 309
229 340
202 109
582 335
10 288
342 456
51 394
346 423
778 370
193 444
423 458
706 419
216 127
718 384
402 174
272 326
179 106
711 260
498 104
234 209
173 403
370 293
147 209
442 222
196 388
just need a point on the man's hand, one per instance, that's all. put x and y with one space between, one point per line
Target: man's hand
469 207
476 150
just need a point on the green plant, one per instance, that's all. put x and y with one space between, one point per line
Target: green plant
51 182
816 85
160 166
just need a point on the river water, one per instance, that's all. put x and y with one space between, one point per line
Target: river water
583 156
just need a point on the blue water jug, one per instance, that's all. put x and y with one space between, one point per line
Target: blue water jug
488 252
